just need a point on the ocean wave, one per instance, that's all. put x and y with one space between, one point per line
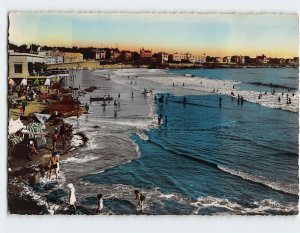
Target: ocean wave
276 185
142 135
81 159
262 207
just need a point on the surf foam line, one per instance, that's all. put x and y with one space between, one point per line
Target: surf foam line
279 186
263 207
291 189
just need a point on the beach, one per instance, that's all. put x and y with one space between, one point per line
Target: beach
174 164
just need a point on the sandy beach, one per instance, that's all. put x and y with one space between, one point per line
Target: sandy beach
110 128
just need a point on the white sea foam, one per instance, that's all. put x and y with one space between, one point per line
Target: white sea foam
168 196
265 206
76 141
224 87
280 186
40 200
81 159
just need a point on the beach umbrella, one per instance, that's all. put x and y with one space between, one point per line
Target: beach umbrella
24 82
11 82
42 118
47 82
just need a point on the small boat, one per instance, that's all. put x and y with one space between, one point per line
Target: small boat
100 99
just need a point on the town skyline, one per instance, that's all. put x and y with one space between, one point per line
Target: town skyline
212 34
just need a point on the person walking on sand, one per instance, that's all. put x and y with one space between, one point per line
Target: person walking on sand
72 197
54 165
100 203
115 104
87 107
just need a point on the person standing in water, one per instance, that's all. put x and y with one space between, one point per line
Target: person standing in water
99 203
119 95
184 99
54 140
159 119
131 95
54 165
72 197
139 198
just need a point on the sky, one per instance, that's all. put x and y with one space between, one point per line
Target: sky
275 35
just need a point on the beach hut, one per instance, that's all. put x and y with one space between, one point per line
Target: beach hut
11 82
24 82
42 118
47 82
15 126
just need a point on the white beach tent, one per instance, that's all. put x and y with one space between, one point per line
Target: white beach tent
11 82
24 82
47 82
15 126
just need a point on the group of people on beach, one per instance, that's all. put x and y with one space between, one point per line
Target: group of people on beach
138 197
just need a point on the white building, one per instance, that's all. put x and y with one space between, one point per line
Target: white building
18 64
176 57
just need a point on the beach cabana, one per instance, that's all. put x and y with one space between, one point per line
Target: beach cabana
41 118
11 82
47 82
24 82
15 126
36 132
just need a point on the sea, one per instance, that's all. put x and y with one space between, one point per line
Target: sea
211 155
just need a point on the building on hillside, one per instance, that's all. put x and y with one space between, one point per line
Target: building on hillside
114 54
227 59
218 60
100 54
51 57
187 56
296 61
71 57
262 59
238 59
176 57
145 55
18 64
126 55
202 58
162 57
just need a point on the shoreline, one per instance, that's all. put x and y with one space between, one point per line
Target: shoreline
112 128
23 172
96 64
